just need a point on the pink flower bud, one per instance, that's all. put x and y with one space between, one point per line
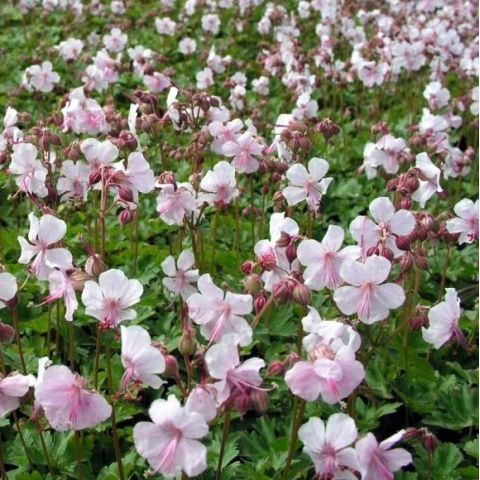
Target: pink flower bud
275 369
94 177
7 334
403 243
125 194
259 302
430 442
259 400
301 294
291 252
421 263
125 217
406 203
247 267
253 283
171 367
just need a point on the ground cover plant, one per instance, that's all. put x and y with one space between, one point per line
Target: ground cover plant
239 239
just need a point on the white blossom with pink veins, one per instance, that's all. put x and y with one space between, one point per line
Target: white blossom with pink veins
385 154
174 202
60 286
157 82
331 372
223 133
436 95
171 443
200 400
99 154
379 460
66 401
324 259
74 180
244 150
12 389
115 41
466 221
388 225
30 174
235 378
219 313
367 295
109 300
181 276
332 333
308 184
42 235
329 446
8 288
429 179
141 360
219 185
443 321
40 78
268 253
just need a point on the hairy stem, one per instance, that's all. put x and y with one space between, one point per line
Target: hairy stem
298 411
225 432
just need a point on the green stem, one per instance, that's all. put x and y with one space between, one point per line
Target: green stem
3 473
97 359
78 455
214 240
298 411
21 437
16 326
225 432
135 246
44 446
71 337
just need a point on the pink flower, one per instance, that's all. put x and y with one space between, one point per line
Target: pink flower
157 82
42 235
331 374
170 444
219 313
115 41
223 133
385 153
429 179
174 202
220 185
329 446
308 184
74 180
437 96
201 401
67 403
41 78
109 300
12 388
244 149
379 461
235 379
324 259
181 276
141 360
367 297
466 221
443 321
30 174
99 154
60 286
382 233
8 288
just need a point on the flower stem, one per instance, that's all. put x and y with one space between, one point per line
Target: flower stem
214 241
3 473
135 240
298 411
44 446
441 290
71 342
16 326
259 315
97 359
116 443
225 432
78 455
21 437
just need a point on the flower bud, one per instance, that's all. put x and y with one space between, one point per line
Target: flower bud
253 283
278 197
421 263
94 177
78 279
259 400
275 369
125 194
403 243
430 442
406 203
94 265
291 252
284 240
387 253
301 294
125 217
7 334
188 342
410 433
171 367
373 251
247 267
392 185
259 302
291 360
406 262
417 322
242 402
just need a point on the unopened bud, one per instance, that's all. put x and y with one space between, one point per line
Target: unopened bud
253 283
125 194
406 203
125 217
403 243
188 342
94 177
171 367
275 369
259 302
78 279
247 267
7 334
430 442
284 240
301 294
291 253
259 400
421 263
392 185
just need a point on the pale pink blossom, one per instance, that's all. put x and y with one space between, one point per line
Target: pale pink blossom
165 26
379 460
30 174
115 41
66 401
141 360
329 446
40 78
219 185
474 105
174 202
187 46
157 82
308 184
436 95
224 133
61 286
99 153
171 443
367 295
109 300
219 313
70 49
466 221
200 400
43 235
443 321
74 181
324 259
305 107
385 153
429 179
12 389
244 150
204 78
389 224
235 379
8 288
211 23
181 276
